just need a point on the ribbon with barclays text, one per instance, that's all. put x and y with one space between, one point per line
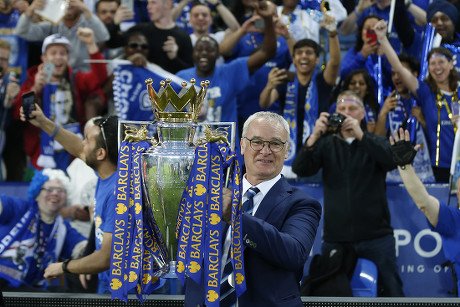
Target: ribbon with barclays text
199 221
134 243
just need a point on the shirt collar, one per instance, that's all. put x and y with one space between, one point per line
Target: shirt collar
263 187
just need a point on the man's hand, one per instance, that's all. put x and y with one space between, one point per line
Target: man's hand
138 59
264 9
38 117
86 35
12 90
417 112
80 5
351 126
21 6
380 29
402 149
364 4
391 102
276 76
123 13
227 205
40 79
329 23
83 278
369 48
321 126
281 29
35 5
53 271
170 47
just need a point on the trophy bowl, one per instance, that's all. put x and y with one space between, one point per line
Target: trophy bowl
165 170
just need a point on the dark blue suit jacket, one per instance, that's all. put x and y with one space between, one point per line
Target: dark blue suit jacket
277 240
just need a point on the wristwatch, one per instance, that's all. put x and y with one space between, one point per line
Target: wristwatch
64 266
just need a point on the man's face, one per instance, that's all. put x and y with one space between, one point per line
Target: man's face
72 12
443 25
59 56
200 19
290 3
349 107
4 58
5 7
106 11
51 198
264 164
157 9
137 44
397 81
305 59
90 145
205 54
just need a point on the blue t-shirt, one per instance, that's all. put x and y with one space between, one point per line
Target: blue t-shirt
449 229
19 258
248 100
104 213
427 100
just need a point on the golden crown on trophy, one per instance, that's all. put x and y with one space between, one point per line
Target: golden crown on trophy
177 108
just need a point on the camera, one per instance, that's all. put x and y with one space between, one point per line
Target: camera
336 120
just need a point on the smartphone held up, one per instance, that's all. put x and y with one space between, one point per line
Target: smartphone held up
28 104
371 36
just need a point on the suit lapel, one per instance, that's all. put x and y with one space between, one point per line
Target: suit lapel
274 197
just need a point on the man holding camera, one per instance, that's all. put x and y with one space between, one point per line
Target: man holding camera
354 164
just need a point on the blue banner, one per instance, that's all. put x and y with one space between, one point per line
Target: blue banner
130 94
419 252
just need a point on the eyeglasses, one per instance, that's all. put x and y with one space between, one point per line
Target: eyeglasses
101 125
53 189
274 146
137 45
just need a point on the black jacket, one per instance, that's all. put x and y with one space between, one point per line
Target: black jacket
355 202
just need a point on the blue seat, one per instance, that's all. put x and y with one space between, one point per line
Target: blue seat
364 280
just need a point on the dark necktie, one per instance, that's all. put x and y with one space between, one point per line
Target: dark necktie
227 292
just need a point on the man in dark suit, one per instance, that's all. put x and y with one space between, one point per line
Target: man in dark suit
279 231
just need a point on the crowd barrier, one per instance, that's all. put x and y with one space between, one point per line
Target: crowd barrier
419 250
21 299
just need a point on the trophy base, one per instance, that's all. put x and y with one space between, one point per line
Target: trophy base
171 273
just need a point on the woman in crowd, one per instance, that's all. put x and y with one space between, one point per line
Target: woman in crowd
360 82
34 234
435 95
365 53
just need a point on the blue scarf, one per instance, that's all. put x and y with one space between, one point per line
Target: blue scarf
24 234
290 113
47 144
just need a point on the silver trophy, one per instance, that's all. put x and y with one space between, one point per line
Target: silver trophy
167 164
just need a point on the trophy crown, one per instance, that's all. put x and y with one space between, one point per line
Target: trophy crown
183 107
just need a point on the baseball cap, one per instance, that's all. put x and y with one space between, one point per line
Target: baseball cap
55 39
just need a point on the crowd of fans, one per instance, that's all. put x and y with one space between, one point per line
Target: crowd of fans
292 57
